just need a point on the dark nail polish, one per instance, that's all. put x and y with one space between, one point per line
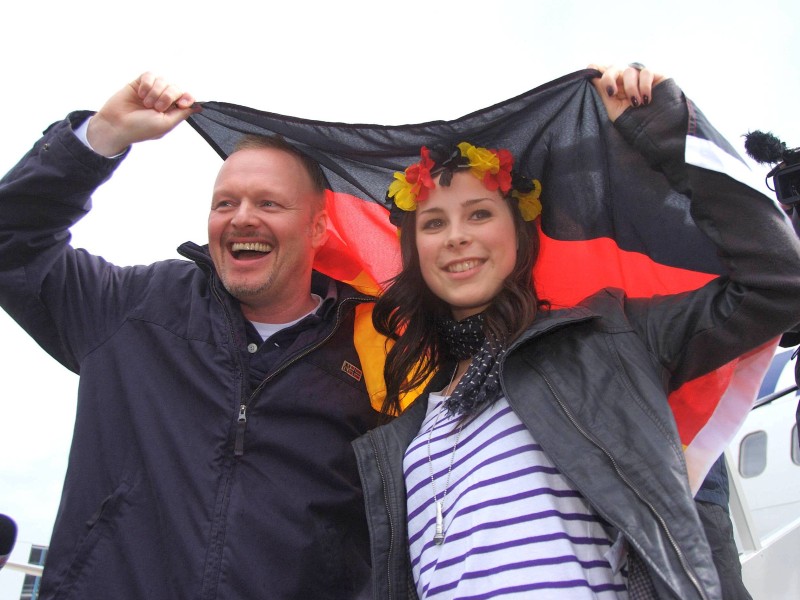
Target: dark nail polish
635 101
610 91
646 100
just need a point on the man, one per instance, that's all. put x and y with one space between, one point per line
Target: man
712 502
211 456
792 337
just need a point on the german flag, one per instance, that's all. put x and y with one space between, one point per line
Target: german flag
609 219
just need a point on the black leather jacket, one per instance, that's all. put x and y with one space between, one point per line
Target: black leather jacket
591 382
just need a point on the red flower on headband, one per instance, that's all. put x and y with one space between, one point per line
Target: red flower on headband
419 175
414 184
502 177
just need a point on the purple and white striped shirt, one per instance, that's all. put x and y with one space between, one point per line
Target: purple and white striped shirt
514 526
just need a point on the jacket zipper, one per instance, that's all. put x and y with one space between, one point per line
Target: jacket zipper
241 420
630 485
241 425
209 589
388 512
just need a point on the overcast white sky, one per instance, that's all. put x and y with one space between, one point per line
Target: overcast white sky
370 61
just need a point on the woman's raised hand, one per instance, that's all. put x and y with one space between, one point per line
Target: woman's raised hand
625 87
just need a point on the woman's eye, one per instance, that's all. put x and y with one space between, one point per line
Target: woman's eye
481 213
432 224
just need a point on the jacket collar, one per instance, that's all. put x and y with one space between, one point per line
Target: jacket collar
552 320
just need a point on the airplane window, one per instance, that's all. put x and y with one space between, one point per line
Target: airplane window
753 454
795 447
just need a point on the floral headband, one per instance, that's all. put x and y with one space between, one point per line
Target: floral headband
492 167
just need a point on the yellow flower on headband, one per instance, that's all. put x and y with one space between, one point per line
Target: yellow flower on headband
481 160
492 167
529 204
402 192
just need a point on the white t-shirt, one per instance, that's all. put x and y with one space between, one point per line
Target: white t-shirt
266 330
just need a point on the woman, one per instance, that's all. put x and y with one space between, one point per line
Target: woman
543 460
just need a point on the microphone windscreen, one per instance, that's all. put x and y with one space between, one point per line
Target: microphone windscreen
8 535
764 147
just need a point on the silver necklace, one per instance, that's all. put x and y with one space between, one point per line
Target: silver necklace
438 537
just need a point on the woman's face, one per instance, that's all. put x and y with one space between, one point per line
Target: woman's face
467 244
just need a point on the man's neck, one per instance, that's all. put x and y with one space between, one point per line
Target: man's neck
280 314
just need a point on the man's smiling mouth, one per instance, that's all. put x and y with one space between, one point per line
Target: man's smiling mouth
245 250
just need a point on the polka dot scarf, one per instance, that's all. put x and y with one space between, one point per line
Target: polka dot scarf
480 385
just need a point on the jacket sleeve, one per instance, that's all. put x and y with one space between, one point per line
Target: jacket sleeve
758 299
52 290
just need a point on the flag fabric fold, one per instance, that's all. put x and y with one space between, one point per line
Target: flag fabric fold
608 220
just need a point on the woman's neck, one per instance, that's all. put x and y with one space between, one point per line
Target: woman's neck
460 369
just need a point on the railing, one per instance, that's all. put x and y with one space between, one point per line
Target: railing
35 570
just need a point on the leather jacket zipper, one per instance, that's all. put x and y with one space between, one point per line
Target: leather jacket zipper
388 512
633 488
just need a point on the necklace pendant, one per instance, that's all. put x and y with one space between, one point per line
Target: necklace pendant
438 538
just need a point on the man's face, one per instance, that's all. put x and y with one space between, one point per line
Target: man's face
263 232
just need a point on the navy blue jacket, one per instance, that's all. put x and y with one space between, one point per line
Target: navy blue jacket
160 499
